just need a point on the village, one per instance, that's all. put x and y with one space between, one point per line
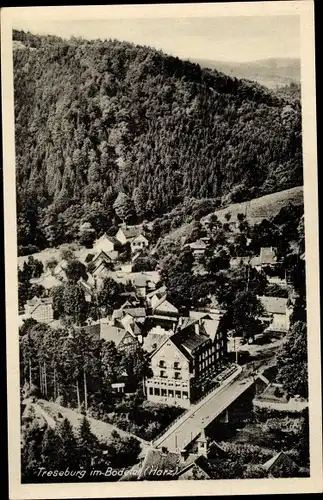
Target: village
194 364
184 350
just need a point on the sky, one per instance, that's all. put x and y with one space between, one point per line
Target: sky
238 39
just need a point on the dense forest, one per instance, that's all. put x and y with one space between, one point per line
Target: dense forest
108 131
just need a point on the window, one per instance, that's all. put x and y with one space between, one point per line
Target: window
151 391
185 395
178 394
164 392
177 366
170 393
162 363
163 374
177 375
157 391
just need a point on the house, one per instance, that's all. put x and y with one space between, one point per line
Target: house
40 309
161 464
180 365
87 289
198 248
108 244
267 257
277 311
162 306
123 339
159 293
127 234
281 465
139 243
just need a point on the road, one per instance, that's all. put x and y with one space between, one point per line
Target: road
201 415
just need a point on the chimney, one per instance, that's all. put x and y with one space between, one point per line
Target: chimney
202 448
197 328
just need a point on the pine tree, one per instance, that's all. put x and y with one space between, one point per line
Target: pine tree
87 444
50 450
68 450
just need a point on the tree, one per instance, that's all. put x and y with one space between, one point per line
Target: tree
31 458
75 270
68 450
292 361
244 314
111 362
109 295
137 365
75 305
51 449
124 450
123 207
57 293
87 445
87 238
67 254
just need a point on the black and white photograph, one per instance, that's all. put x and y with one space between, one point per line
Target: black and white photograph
160 186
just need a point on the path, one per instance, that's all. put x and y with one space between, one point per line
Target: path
101 429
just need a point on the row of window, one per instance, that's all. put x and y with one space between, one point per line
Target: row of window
176 365
169 383
168 393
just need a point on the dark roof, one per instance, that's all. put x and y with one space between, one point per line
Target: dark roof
188 340
132 231
278 460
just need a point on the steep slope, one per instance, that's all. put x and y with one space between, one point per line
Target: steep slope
96 118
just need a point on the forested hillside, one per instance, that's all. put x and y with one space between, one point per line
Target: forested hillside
109 131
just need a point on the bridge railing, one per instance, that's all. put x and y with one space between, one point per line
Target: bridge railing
183 415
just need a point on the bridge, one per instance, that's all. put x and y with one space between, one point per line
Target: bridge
186 428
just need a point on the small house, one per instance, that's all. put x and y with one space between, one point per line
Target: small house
277 311
107 244
139 243
40 309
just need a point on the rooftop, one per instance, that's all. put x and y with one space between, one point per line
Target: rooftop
274 305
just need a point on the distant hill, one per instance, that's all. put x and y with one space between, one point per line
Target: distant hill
99 119
269 72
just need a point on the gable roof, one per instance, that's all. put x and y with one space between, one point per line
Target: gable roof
187 341
131 232
112 333
268 256
103 256
153 341
197 245
211 327
164 305
160 291
274 305
113 239
140 235
277 460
